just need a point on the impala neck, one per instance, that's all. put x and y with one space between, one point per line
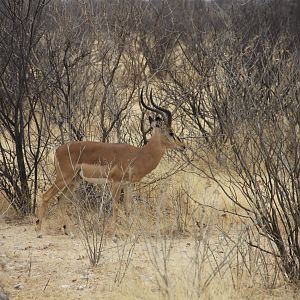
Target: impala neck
155 146
152 152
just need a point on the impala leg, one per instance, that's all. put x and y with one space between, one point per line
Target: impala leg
116 192
127 198
65 198
57 187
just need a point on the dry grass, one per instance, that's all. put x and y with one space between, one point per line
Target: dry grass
57 266
179 237
6 210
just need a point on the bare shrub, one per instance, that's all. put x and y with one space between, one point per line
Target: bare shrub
125 252
188 268
92 212
22 121
256 103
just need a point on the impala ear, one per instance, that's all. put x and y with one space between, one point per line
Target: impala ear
155 123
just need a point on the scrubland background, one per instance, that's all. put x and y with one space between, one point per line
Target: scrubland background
220 220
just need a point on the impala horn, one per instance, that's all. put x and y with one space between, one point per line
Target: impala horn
156 109
168 114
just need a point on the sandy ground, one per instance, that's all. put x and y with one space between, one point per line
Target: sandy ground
57 267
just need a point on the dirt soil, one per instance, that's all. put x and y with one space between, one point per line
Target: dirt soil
57 267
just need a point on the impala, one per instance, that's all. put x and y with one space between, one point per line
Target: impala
118 163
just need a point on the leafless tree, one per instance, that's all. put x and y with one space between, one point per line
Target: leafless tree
256 101
22 120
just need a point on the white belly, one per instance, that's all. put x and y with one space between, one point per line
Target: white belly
94 180
94 173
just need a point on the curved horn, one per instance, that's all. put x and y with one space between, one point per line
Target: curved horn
166 111
148 107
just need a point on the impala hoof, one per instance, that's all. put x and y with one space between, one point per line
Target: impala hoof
38 229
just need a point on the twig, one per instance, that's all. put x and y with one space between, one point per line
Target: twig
263 250
214 208
46 284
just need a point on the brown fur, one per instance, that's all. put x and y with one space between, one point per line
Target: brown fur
116 162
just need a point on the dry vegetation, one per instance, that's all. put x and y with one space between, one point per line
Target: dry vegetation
220 221
159 253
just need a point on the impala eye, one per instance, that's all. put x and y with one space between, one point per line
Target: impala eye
171 133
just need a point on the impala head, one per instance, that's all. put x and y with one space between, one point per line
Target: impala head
162 124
